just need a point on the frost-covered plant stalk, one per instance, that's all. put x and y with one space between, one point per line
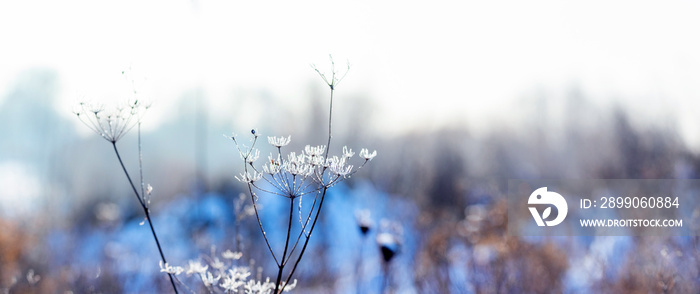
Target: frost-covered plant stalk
112 125
296 176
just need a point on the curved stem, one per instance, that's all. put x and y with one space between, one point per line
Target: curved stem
114 144
252 198
302 231
143 192
286 246
358 266
330 121
145 210
385 280
262 230
306 242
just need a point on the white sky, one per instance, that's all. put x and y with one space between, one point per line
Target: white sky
420 63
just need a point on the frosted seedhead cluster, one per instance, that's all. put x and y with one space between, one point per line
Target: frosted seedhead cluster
364 153
296 174
364 221
389 239
335 77
228 254
255 287
279 141
196 267
223 275
166 268
247 177
112 124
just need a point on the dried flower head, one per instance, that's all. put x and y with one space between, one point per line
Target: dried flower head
364 153
364 220
225 274
217 263
246 177
335 78
347 152
253 156
314 151
111 124
279 141
175 270
389 239
228 254
208 279
273 165
338 166
196 267
231 284
32 278
253 286
388 246
239 272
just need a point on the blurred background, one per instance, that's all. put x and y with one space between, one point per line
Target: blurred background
455 98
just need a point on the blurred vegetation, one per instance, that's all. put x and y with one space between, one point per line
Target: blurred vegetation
445 187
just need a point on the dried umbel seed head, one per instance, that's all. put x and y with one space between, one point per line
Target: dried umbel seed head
111 124
364 229
335 76
364 153
388 246
279 141
364 221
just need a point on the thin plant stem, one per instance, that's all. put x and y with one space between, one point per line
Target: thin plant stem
143 193
238 234
323 194
136 193
306 242
236 226
385 281
257 216
359 268
302 231
145 210
286 246
252 198
330 121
